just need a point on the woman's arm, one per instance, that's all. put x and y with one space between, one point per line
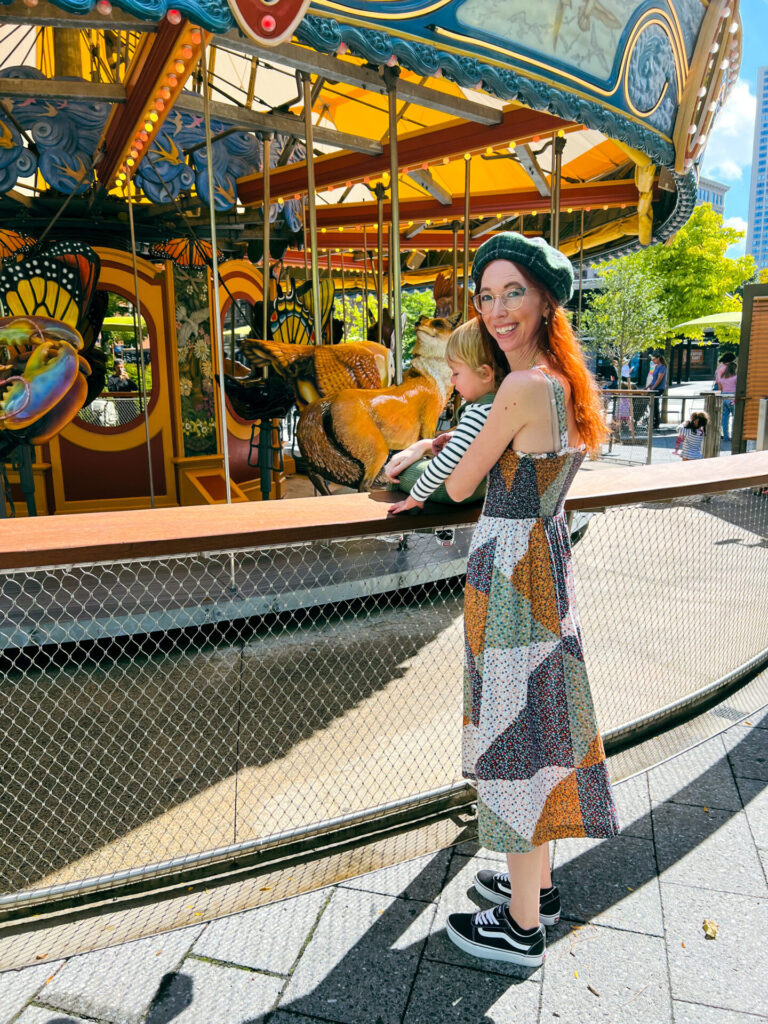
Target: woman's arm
511 410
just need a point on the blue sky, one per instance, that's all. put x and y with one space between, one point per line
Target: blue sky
728 155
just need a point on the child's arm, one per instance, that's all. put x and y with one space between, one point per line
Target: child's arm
447 460
406 458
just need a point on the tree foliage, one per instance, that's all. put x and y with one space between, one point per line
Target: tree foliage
627 315
695 275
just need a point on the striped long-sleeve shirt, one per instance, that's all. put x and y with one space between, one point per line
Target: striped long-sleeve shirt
471 423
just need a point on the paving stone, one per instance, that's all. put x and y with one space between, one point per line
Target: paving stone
627 970
633 804
473 849
363 954
266 939
199 992
459 995
419 879
747 751
118 984
18 987
754 793
729 971
695 1013
39 1015
712 849
611 882
459 896
700 776
286 1017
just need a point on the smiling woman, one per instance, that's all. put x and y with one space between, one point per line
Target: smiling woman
531 741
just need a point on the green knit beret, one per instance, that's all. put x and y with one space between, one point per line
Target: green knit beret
546 264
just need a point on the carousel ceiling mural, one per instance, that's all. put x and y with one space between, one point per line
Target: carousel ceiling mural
630 89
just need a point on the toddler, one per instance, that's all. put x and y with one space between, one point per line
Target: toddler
690 437
474 377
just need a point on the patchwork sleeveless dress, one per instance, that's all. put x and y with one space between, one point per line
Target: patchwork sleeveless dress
530 739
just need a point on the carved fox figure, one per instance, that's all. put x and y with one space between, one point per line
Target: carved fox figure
348 437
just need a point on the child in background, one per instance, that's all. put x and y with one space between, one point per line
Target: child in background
474 377
690 437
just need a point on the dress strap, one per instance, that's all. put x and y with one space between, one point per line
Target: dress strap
557 407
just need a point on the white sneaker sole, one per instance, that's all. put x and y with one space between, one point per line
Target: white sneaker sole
484 953
548 920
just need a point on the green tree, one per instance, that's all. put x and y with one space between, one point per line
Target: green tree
627 315
695 275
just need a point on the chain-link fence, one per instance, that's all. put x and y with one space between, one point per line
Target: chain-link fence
643 427
179 710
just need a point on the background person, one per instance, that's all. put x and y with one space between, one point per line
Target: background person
725 382
657 382
119 379
530 739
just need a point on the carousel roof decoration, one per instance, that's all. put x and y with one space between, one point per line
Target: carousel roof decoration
13 244
627 91
192 253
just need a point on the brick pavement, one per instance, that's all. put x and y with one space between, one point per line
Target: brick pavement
373 950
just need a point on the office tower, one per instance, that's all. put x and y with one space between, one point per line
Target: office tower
713 192
757 227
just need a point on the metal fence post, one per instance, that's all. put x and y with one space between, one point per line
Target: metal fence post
762 425
713 407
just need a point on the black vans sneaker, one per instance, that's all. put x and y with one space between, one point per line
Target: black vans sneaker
493 935
494 886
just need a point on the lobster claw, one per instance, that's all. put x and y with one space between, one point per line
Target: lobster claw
50 372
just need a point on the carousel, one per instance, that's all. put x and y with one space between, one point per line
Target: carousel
211 213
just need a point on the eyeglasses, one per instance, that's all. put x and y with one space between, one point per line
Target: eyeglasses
510 300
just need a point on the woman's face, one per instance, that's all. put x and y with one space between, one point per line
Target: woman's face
516 330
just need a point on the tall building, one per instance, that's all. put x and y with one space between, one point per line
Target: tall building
757 227
713 192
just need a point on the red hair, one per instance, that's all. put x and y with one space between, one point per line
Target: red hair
561 346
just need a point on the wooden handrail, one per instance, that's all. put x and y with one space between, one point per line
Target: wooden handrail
126 536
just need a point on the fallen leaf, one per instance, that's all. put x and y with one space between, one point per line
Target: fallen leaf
710 928
265 888
41 956
159 952
682 944
630 889
706 810
593 991
575 974
747 723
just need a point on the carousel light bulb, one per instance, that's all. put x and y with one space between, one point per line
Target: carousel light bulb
702 92
173 16
135 153
734 28
560 133
196 37
165 92
148 127
130 161
104 7
160 105
489 151
153 116
31 3
446 159
467 156
180 66
172 81
143 136
724 65
323 230
693 129
714 48
187 52
533 213
121 176
570 209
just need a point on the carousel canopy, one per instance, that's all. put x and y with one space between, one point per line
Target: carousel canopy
594 114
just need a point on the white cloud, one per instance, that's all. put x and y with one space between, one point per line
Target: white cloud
738 248
729 148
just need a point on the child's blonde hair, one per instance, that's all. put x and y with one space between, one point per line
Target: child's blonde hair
467 345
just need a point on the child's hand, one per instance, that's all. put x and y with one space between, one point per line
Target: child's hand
398 463
405 505
440 442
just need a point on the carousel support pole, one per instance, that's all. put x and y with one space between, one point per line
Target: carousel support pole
330 278
266 290
465 295
140 350
306 247
309 133
394 230
343 298
380 260
558 145
581 277
215 278
455 302
365 280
